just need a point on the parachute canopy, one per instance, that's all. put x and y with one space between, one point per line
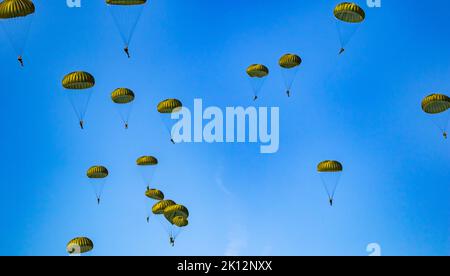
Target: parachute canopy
80 245
126 2
180 221
257 71
289 61
154 194
435 104
16 8
122 96
147 161
78 80
169 106
349 13
329 166
176 211
158 208
97 172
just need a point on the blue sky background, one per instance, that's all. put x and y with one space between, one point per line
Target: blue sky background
362 109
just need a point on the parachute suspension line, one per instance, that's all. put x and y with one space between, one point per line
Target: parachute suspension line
289 76
127 115
126 37
166 125
18 46
445 122
80 112
345 37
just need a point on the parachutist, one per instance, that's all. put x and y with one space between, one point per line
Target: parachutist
445 135
173 142
20 59
98 200
126 126
331 202
82 124
288 93
126 50
341 51
172 241
255 98
148 219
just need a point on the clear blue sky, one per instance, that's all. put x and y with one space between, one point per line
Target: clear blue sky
362 109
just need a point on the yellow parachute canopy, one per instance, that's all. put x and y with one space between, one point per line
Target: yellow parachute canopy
176 211
180 221
147 161
329 166
289 61
126 2
16 8
169 106
435 103
349 12
97 172
158 208
122 96
257 71
79 245
78 80
154 194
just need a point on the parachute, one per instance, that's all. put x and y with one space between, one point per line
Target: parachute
16 17
257 74
330 172
158 208
79 89
349 17
79 246
97 175
123 98
147 166
177 217
126 15
153 194
289 64
166 108
437 105
176 211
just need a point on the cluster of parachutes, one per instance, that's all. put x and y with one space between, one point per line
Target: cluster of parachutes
349 17
289 64
16 17
175 215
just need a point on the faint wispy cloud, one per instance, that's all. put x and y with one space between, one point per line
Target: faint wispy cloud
237 241
220 183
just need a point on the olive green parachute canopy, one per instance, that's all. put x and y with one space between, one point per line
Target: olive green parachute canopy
126 2
80 245
158 208
180 221
176 211
78 80
349 13
257 71
97 172
147 161
154 194
16 8
122 96
329 166
435 103
289 61
169 106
